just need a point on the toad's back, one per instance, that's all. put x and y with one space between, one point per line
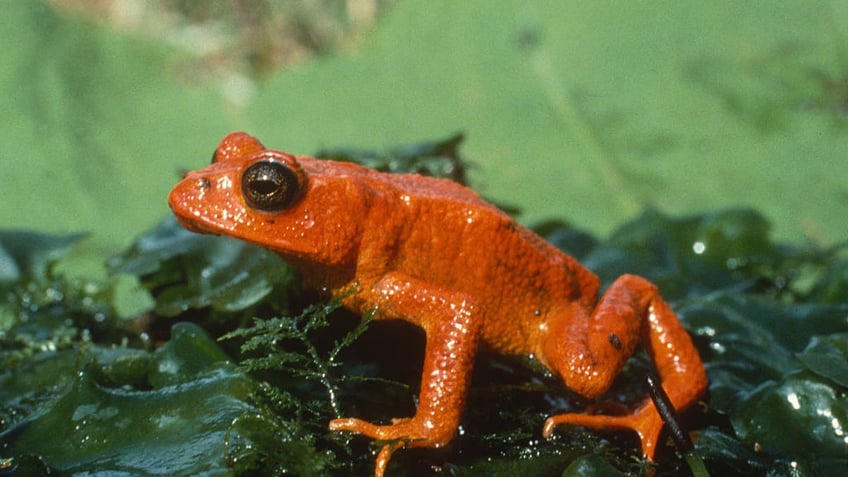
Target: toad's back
444 234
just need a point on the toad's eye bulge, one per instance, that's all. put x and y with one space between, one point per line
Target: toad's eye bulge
269 186
463 281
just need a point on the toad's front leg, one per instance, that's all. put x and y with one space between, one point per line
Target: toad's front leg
452 326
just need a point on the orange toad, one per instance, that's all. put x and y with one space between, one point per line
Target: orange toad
432 252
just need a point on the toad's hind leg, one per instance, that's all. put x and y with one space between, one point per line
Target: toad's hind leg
589 350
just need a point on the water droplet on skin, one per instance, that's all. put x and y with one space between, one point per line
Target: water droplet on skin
306 222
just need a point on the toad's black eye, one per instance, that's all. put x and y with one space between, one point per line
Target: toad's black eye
269 186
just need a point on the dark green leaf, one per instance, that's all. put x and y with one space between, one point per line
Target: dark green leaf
431 158
591 466
29 255
690 255
827 356
185 270
115 415
799 417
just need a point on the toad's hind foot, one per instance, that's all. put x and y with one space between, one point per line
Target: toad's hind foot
645 421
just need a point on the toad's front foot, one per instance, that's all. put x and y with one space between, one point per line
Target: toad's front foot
645 421
414 432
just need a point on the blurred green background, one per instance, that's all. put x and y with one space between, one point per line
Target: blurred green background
588 111
584 111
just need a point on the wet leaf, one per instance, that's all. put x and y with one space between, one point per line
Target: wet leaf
430 158
29 255
797 417
186 271
591 465
827 356
690 255
116 413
